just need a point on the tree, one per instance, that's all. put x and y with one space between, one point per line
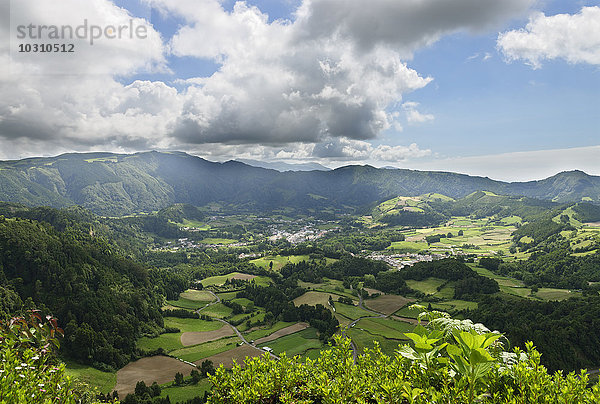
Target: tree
195 375
179 379
207 368
155 389
141 389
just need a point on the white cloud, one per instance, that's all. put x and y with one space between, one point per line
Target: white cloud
325 81
413 116
84 106
574 38
403 25
344 149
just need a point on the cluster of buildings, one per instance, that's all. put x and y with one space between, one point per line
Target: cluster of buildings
400 261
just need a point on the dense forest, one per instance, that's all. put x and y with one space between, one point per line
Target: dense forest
104 301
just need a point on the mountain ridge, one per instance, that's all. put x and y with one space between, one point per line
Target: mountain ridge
115 184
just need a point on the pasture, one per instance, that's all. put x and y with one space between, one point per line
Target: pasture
364 339
218 310
282 332
296 343
351 312
197 352
556 294
256 334
220 280
218 241
387 304
172 341
192 299
385 327
278 261
428 286
312 298
184 393
104 381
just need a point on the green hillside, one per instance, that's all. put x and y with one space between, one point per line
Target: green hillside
118 184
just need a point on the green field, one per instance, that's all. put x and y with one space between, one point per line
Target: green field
196 224
364 339
521 292
220 241
256 334
408 246
219 280
192 299
351 312
218 310
104 381
313 297
555 294
385 327
451 305
172 341
296 343
331 286
428 286
278 261
205 350
502 280
227 295
184 393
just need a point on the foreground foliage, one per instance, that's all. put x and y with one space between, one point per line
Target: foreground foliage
29 369
449 362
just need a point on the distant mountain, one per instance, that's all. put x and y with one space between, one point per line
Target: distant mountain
282 167
120 184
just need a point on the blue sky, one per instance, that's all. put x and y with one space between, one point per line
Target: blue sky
505 89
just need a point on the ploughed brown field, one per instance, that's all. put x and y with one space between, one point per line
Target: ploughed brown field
283 332
244 277
160 369
199 337
238 354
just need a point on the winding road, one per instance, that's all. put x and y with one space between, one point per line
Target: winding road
234 328
352 324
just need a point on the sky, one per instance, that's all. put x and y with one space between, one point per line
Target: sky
506 89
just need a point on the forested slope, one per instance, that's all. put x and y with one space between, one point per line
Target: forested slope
118 184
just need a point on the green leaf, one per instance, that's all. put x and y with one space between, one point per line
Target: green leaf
480 355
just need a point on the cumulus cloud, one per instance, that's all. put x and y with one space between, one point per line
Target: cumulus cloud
404 25
74 101
413 115
355 150
572 37
322 84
